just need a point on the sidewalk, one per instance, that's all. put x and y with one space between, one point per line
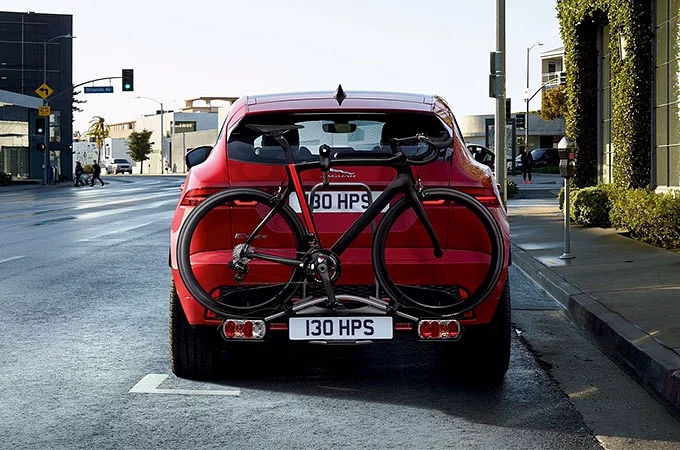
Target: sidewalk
623 293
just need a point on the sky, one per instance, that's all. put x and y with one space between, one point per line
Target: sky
229 48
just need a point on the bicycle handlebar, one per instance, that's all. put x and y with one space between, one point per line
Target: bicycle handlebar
433 144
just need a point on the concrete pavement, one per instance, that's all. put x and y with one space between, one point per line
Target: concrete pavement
623 293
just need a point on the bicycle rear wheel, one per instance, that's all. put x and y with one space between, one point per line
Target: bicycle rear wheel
409 273
206 246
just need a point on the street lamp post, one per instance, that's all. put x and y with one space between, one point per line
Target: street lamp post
527 99
163 155
46 158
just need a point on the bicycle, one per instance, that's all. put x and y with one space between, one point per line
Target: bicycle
81 180
304 261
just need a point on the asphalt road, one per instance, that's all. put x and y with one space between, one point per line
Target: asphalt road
84 356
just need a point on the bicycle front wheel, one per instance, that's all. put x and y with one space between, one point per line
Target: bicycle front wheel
211 238
469 270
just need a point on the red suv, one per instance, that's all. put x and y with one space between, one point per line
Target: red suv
253 261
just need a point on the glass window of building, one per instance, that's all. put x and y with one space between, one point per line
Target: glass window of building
667 98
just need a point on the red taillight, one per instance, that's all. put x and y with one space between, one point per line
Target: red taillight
196 196
243 329
488 200
230 329
433 202
439 329
248 329
242 203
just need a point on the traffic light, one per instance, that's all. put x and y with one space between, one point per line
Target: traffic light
508 113
520 120
128 80
563 78
39 125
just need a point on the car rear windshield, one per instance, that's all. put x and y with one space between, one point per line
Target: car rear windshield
350 135
121 161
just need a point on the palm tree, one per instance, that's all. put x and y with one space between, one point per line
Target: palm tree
99 129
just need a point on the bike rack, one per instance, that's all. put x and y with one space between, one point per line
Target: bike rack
370 201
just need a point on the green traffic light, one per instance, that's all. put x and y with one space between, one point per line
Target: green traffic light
127 85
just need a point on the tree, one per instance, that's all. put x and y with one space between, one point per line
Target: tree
76 102
99 130
554 104
140 146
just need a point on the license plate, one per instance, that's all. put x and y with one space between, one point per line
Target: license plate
336 201
339 328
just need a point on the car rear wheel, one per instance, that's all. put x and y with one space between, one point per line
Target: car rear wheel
195 352
468 271
486 348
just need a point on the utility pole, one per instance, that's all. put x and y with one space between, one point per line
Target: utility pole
499 120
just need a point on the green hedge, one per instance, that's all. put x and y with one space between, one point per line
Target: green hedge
649 217
512 189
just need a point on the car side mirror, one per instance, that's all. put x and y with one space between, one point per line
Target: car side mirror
197 155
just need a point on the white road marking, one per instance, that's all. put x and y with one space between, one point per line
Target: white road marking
13 258
149 385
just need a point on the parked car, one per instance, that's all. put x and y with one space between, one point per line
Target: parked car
118 165
242 197
482 155
543 157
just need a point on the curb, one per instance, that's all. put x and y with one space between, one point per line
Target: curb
656 365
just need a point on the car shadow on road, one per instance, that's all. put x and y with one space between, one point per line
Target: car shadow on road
406 373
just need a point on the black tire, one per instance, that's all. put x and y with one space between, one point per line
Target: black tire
438 300
486 348
195 352
246 300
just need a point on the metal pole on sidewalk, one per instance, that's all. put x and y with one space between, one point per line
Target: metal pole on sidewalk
499 119
567 235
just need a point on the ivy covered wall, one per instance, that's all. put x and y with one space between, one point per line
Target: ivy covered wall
630 22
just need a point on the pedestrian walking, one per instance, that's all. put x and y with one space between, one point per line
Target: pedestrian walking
527 164
96 172
79 174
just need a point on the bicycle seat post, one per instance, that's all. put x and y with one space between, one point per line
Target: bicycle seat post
325 161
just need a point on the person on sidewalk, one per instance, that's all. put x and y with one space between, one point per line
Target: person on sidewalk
79 174
527 164
96 172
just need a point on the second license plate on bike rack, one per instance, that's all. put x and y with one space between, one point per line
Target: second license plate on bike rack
340 328
336 201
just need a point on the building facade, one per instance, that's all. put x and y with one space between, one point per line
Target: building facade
35 49
623 70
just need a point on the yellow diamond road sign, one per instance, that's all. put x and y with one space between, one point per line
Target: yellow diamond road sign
44 91
43 111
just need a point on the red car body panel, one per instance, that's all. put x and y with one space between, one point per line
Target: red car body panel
458 169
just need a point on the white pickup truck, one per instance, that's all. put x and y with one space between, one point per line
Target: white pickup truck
118 165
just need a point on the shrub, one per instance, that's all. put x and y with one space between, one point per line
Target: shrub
649 217
512 189
590 207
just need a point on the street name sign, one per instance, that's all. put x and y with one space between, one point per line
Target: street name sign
98 89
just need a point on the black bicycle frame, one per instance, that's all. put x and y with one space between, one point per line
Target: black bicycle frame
402 183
